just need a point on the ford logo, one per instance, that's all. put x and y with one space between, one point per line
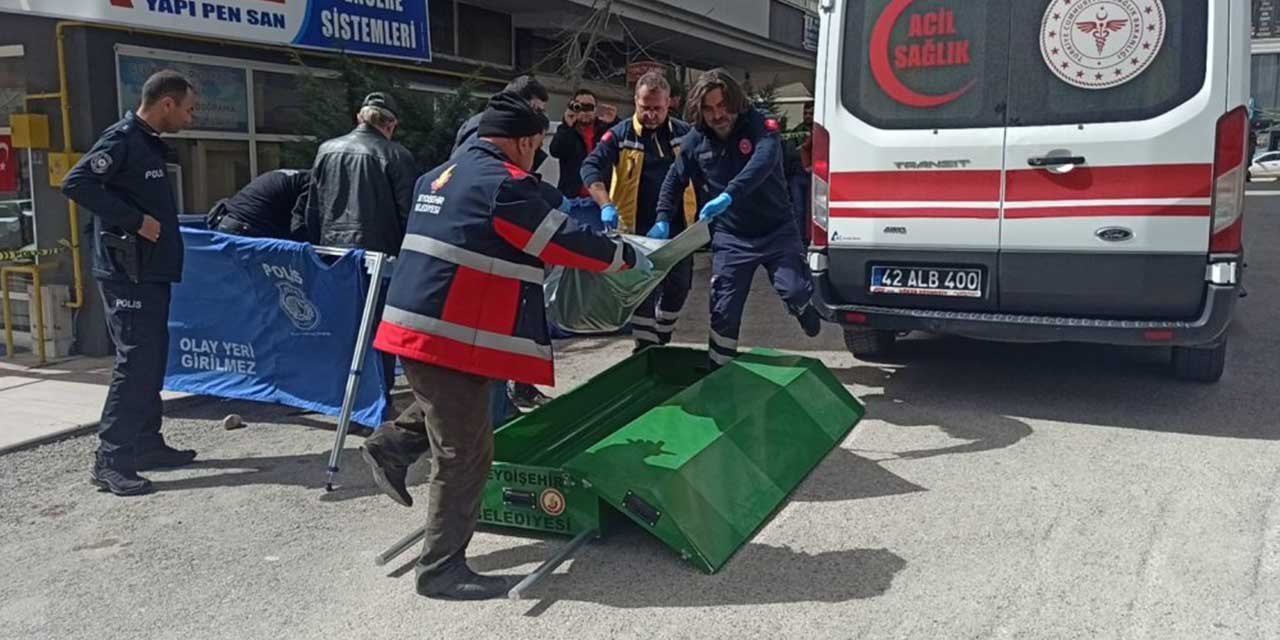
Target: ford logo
1114 234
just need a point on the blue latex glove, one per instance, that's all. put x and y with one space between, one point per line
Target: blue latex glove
566 205
716 207
661 230
609 216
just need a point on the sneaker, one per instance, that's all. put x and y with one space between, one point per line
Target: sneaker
119 482
459 582
389 477
164 457
810 321
526 396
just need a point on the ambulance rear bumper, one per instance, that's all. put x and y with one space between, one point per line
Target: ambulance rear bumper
1210 324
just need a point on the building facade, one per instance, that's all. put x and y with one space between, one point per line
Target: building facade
248 58
1265 72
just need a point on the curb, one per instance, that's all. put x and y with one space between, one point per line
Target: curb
89 427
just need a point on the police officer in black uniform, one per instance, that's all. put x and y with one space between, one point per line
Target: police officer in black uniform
137 257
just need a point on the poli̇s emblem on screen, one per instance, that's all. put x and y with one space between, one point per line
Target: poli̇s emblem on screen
294 303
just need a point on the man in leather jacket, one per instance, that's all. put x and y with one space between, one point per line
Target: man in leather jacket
360 193
361 184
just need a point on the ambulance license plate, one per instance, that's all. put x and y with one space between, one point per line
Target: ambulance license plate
927 281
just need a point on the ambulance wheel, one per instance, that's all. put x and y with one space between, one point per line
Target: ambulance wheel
1200 364
869 342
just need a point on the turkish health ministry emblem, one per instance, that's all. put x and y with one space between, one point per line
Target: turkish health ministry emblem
1101 44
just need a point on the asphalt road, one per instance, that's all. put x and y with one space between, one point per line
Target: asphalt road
994 491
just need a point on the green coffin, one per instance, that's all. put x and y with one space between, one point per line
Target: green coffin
528 487
703 469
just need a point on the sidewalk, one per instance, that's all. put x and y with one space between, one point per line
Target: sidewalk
40 402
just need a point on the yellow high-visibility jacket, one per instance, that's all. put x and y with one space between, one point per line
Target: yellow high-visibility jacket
621 154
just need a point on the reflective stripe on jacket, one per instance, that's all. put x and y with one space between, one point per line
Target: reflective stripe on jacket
467 291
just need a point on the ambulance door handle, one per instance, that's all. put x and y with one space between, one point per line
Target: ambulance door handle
1056 164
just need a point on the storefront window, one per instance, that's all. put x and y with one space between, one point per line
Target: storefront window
226 168
13 86
488 35
272 156
17 223
222 104
1266 81
268 157
442 27
211 170
277 102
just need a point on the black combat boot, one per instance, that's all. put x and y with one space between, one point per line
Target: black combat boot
810 321
391 478
459 582
164 457
390 451
118 477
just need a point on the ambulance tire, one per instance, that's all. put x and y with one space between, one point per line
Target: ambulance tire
869 342
1200 364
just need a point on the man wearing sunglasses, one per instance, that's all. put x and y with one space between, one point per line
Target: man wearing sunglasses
583 126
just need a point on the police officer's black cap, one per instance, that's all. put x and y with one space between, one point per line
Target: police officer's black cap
509 116
382 101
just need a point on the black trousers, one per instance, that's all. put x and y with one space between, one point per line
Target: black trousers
655 318
734 261
236 228
138 320
388 359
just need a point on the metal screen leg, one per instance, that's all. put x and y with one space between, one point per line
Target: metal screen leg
550 565
401 546
357 361
8 314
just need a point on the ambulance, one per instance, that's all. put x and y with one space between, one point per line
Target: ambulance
1032 171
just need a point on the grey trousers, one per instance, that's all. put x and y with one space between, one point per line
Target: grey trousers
457 425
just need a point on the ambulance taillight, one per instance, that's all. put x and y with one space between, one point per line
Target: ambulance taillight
1229 167
821 150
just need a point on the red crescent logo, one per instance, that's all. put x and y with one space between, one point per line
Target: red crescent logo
882 70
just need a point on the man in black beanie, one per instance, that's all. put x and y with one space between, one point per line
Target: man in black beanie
527 87
465 312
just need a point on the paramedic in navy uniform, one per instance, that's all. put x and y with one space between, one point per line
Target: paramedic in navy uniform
122 180
733 157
